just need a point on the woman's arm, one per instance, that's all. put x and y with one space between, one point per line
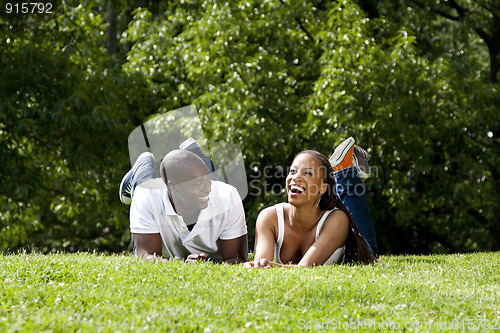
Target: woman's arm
265 235
332 236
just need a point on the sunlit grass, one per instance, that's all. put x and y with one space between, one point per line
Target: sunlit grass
89 292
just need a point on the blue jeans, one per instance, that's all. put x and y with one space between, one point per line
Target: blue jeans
352 193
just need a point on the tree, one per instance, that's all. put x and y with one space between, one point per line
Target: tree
438 23
274 77
277 78
64 114
460 36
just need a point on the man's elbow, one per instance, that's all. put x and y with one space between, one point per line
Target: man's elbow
239 259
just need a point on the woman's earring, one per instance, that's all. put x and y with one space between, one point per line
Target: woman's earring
317 201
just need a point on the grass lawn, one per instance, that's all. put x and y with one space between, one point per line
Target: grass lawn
89 292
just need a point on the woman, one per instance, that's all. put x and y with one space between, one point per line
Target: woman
315 227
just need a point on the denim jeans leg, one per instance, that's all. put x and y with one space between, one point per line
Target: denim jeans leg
195 149
352 193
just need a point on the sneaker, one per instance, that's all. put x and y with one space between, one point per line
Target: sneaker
342 155
193 146
189 143
142 170
361 158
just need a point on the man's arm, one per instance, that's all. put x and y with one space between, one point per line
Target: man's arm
148 246
235 250
233 241
143 226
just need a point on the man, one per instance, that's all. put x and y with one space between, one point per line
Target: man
184 214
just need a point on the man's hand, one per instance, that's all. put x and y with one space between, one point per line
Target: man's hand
197 257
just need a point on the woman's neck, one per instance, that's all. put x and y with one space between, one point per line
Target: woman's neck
304 218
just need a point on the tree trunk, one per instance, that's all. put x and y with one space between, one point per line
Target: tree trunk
111 29
494 49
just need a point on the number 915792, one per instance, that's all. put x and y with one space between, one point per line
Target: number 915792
28 8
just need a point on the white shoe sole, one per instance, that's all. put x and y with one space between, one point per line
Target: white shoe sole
361 173
348 144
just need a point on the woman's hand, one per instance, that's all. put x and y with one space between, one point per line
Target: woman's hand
261 263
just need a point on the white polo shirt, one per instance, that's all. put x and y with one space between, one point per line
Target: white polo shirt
151 212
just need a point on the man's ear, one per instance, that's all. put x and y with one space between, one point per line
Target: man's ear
171 186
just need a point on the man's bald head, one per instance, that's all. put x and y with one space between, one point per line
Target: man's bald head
180 166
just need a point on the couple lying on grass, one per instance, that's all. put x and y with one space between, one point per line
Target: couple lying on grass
186 214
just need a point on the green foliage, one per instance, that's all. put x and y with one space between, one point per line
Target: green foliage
467 31
449 157
278 78
275 77
61 122
89 292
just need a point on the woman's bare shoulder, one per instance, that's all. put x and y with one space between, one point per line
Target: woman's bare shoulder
268 213
336 217
268 217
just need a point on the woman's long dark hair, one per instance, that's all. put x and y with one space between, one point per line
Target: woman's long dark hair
356 247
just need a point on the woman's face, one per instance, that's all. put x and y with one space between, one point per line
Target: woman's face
304 183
